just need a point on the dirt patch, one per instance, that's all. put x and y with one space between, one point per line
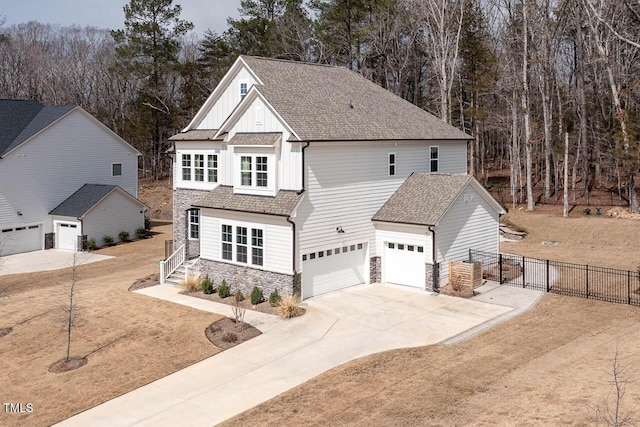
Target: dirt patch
510 271
5 331
150 280
158 196
458 291
226 333
64 365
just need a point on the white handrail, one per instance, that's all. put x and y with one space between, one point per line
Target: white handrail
171 264
192 270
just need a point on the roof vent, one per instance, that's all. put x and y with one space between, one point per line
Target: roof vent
350 104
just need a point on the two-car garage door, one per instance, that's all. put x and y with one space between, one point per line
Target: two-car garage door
331 269
21 239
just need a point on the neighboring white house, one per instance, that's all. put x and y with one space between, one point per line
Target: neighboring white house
289 174
48 154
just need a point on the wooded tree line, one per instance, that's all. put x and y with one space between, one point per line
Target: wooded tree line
543 86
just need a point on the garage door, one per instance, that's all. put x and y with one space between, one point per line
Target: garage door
404 264
67 235
331 269
21 239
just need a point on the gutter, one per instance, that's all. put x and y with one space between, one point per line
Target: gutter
303 148
433 258
293 246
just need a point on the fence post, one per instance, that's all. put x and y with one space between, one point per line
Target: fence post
629 287
587 281
523 276
500 267
547 262
470 258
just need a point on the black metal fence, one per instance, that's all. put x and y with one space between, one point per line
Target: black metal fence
564 278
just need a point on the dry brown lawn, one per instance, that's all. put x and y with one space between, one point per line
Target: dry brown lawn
548 366
129 339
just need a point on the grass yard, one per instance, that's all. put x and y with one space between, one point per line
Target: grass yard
129 339
548 366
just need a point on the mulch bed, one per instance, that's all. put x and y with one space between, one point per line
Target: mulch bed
151 280
5 331
64 365
225 333
263 307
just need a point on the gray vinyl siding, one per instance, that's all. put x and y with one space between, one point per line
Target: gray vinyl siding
348 183
43 172
116 213
466 225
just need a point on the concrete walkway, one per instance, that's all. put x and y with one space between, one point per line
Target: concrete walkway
338 327
51 259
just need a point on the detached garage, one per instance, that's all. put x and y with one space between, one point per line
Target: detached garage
432 219
94 211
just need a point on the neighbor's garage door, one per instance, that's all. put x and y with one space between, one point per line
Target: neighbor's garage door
67 235
332 269
21 239
404 264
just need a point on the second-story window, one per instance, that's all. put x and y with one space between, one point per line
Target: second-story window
245 171
186 167
261 171
433 159
198 160
392 164
212 168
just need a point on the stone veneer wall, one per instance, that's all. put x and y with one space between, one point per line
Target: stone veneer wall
183 200
375 269
245 278
429 285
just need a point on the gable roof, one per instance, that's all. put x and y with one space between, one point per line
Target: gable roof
329 103
424 198
222 197
22 119
88 196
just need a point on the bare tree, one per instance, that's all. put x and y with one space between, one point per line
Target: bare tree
70 307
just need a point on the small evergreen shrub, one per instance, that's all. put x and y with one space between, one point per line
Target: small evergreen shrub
92 244
141 233
239 296
108 240
124 236
224 290
207 285
274 298
256 295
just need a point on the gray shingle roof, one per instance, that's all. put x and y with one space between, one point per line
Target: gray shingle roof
81 202
269 138
222 197
194 135
330 103
422 199
21 119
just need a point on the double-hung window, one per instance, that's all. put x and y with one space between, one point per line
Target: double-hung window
237 246
244 88
254 171
241 244
256 246
186 167
433 159
246 171
212 168
194 224
227 242
392 164
198 160
261 171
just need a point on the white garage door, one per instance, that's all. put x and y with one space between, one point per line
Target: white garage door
331 269
67 235
20 239
404 264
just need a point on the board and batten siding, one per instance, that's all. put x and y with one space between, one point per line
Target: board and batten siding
277 238
44 171
116 213
227 101
470 223
348 183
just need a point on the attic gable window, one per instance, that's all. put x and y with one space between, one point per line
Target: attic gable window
244 88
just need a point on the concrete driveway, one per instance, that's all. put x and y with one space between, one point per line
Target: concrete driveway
51 259
337 328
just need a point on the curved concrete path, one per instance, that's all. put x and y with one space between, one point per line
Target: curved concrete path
338 327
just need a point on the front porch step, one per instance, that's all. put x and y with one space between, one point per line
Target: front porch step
178 275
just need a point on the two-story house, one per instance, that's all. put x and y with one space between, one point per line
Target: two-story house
64 178
310 178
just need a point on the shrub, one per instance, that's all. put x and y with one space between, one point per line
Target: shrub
191 283
108 240
141 233
274 298
239 296
124 236
256 295
224 290
92 244
288 307
229 337
207 285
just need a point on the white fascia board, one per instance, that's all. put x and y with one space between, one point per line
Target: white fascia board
484 193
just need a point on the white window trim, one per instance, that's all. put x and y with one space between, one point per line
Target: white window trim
394 164
191 223
270 189
437 159
205 184
240 83
234 244
121 169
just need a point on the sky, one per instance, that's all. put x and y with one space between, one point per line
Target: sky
205 14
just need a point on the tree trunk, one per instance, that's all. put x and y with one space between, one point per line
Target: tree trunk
565 199
525 105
